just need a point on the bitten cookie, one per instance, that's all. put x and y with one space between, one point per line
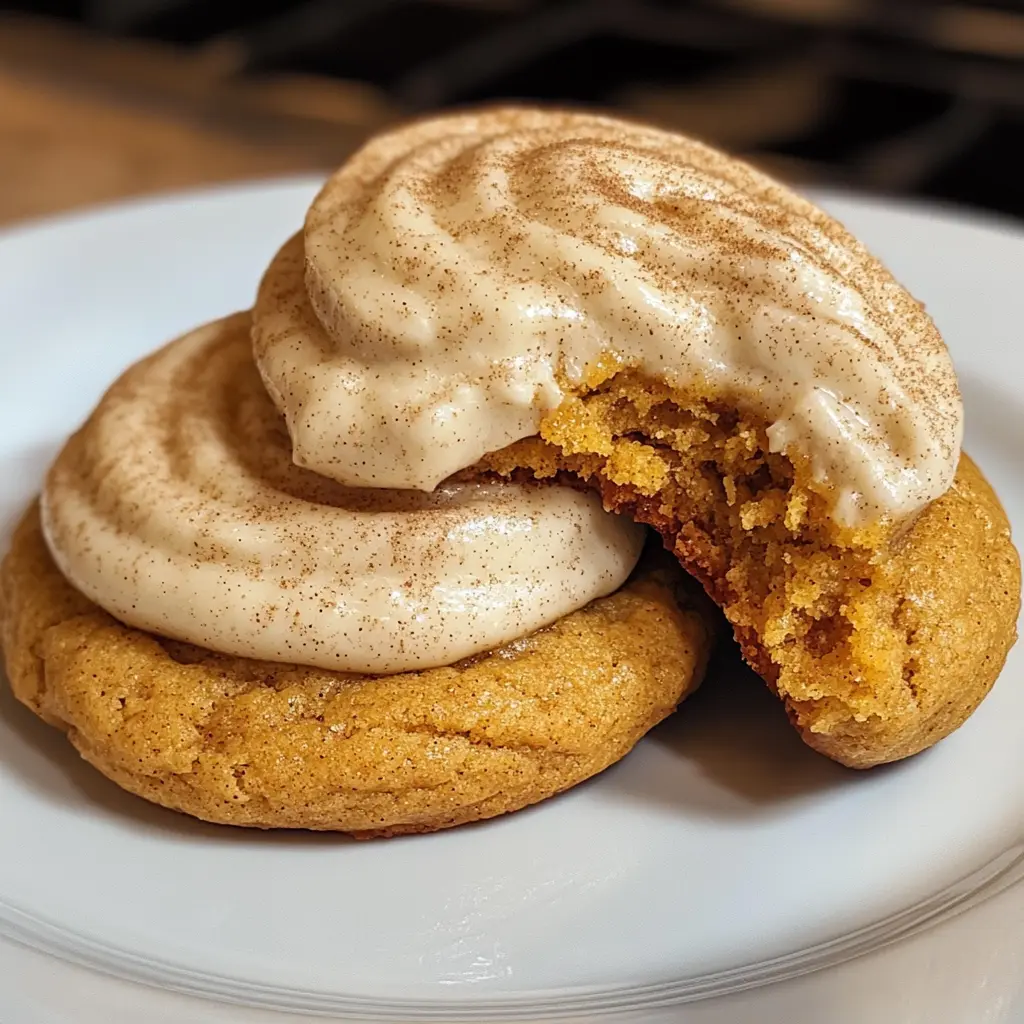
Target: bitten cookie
876 658
561 293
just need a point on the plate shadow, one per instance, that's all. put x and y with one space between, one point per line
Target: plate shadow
729 751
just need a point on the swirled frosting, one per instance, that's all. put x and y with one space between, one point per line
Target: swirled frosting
457 278
178 509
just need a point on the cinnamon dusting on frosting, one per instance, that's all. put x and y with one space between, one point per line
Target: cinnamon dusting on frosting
460 276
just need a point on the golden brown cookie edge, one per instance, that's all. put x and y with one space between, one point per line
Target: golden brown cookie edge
54 642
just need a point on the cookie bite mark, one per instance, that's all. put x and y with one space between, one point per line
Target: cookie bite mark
879 641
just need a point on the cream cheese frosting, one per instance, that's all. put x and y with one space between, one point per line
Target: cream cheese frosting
178 509
457 278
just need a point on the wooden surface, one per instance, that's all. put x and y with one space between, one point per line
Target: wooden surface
59 150
85 121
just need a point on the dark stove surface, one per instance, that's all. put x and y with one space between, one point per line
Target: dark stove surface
903 96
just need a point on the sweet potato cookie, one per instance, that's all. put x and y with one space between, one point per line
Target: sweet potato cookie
280 746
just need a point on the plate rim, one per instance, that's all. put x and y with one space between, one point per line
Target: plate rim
998 875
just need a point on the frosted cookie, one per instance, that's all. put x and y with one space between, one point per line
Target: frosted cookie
270 745
276 650
557 293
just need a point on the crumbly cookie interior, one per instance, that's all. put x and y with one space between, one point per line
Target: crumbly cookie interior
818 609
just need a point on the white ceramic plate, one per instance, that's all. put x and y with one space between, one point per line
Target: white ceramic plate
720 857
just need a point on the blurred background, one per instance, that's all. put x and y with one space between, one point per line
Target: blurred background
105 98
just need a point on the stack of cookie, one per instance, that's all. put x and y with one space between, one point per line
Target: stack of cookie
370 557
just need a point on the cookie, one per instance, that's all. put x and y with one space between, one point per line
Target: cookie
267 745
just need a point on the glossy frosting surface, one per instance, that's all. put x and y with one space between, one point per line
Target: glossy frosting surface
178 509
